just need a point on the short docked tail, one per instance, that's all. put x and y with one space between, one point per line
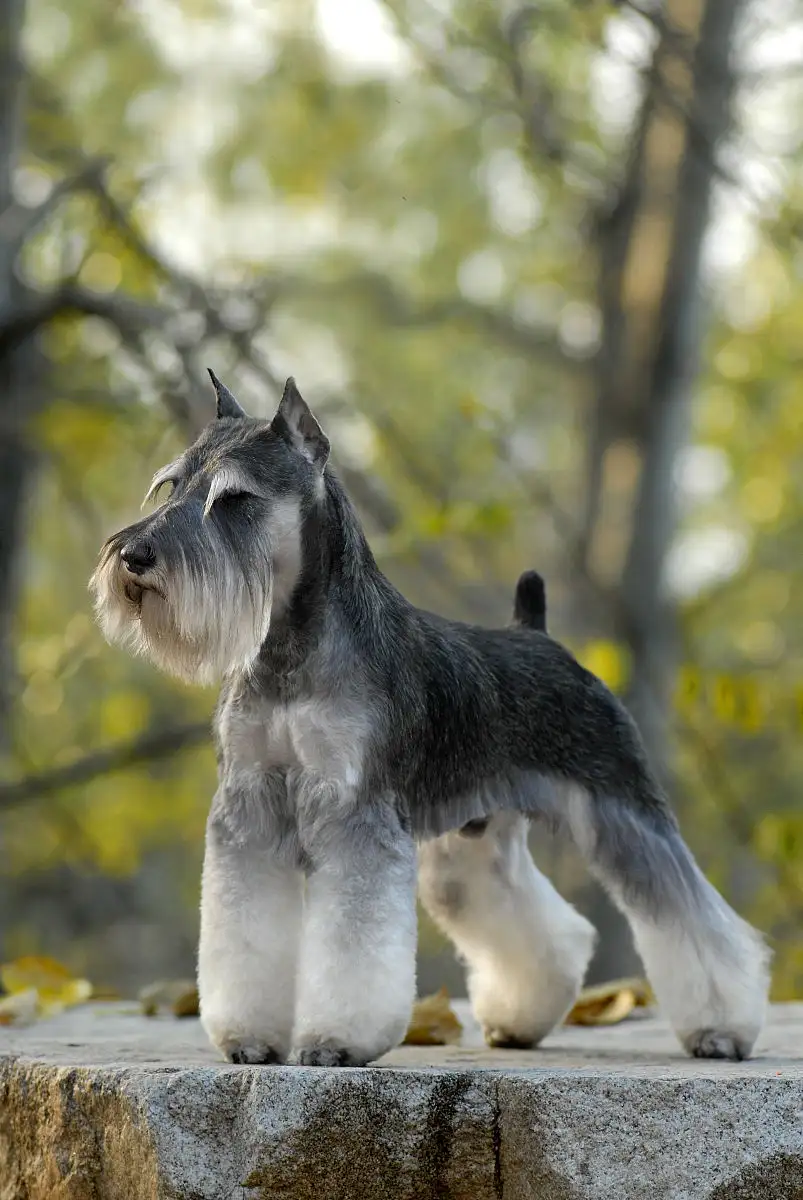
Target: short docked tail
529 605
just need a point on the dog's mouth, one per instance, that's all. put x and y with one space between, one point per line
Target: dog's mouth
135 591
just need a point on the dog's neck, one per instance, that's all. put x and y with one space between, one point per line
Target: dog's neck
338 579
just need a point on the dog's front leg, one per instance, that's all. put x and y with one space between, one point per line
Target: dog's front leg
356 982
250 921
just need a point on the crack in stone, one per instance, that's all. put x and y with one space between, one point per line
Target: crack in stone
496 1136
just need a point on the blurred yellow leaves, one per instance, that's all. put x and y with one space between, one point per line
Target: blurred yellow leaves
44 694
102 272
762 499
46 661
718 413
433 1022
470 407
737 360
110 835
83 436
176 996
610 1003
125 713
737 701
780 836
761 641
19 1008
607 661
38 987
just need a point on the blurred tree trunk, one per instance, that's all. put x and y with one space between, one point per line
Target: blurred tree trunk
15 460
650 248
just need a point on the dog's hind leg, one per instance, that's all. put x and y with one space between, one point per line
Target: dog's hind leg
526 949
709 968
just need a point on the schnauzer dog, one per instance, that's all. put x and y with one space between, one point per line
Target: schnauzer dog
352 727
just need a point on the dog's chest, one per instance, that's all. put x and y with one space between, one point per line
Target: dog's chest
316 736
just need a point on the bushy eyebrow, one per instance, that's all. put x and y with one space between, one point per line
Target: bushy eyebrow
169 474
228 478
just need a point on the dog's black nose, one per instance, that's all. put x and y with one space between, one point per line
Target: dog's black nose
138 557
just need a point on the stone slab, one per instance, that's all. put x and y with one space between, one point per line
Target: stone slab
103 1104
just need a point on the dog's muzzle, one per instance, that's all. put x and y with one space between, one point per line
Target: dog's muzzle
137 558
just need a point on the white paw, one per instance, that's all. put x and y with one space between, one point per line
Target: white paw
519 1013
249 1051
325 1052
241 1040
713 1043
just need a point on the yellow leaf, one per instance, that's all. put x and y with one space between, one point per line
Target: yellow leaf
50 981
607 662
124 713
101 272
33 971
752 712
186 1004
20 1008
102 992
75 991
724 699
610 1003
470 407
178 996
433 1023
689 687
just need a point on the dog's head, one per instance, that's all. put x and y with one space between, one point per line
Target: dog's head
195 583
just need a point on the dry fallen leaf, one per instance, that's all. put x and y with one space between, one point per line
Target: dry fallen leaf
610 1003
102 992
21 1008
186 1004
49 981
433 1023
177 996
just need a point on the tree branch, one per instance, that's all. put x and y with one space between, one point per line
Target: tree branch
149 747
37 309
539 109
18 222
407 312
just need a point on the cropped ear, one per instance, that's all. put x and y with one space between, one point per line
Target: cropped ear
227 406
295 423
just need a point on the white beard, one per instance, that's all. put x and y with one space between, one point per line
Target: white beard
198 628
201 625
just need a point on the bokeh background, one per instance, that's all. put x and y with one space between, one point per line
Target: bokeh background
536 266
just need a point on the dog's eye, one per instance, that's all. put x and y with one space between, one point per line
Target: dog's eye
232 497
227 501
226 491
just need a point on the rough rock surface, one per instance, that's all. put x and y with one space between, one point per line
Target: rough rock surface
103 1104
